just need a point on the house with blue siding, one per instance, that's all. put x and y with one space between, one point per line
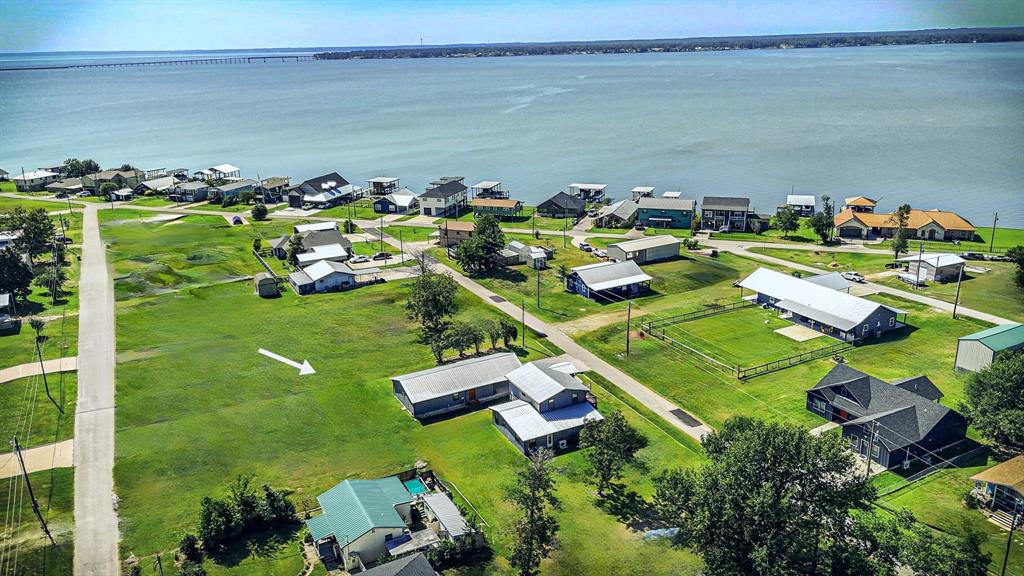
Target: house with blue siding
548 408
665 212
895 423
455 386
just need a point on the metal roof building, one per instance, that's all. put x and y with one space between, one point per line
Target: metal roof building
617 278
446 513
541 382
455 386
528 424
978 350
646 249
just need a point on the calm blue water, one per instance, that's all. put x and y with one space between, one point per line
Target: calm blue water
935 126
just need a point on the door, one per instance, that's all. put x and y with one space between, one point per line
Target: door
550 440
472 395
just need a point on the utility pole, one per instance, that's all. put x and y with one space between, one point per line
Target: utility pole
992 241
42 368
401 245
31 495
917 275
524 323
629 319
871 448
1009 537
959 277
380 230
565 226
538 288
159 565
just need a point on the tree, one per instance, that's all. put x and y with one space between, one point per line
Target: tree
275 505
509 331
995 402
931 553
244 502
422 262
479 252
189 547
190 568
492 328
823 222
228 201
755 225
535 533
107 189
432 300
350 227
1017 255
75 168
787 221
438 344
771 500
563 272
294 249
216 523
246 197
126 167
901 234
462 336
37 230
611 444
695 223
15 275
52 278
476 335
259 211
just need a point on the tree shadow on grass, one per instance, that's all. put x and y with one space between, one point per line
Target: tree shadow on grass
263 543
628 507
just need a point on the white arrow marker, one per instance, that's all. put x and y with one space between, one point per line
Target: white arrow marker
304 368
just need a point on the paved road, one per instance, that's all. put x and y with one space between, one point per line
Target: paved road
96 532
67 364
664 408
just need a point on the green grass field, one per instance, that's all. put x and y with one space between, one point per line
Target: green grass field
54 490
361 209
409 233
927 348
527 221
27 411
937 499
993 291
1006 238
158 201
8 204
805 235
61 339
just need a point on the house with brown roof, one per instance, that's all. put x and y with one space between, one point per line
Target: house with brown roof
122 178
1001 487
860 204
498 207
932 224
452 232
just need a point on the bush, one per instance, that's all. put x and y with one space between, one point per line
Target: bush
189 548
190 568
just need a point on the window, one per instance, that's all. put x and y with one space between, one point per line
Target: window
819 406
551 403
892 322
456 396
875 451
865 330
575 397
853 443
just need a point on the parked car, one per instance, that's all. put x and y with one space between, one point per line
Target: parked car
911 279
382 255
585 247
83 194
972 255
723 229
236 220
360 259
640 227
592 212
600 253
853 277
998 258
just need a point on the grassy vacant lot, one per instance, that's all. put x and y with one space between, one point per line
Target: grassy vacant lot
151 258
410 233
1006 238
8 204
54 490
928 347
197 405
25 410
216 207
674 282
527 221
159 201
993 291
937 500
805 235
61 339
361 209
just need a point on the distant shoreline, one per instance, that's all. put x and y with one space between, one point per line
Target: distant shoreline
708 44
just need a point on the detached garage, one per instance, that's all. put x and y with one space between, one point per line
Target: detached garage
976 351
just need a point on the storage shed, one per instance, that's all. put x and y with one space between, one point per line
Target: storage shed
266 285
934 267
643 250
976 351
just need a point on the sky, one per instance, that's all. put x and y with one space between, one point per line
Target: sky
100 25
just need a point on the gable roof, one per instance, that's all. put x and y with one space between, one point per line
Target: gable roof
623 209
920 385
457 377
646 242
329 181
860 201
527 423
725 203
447 513
316 238
667 203
354 507
904 416
314 226
541 382
608 275
1009 473
568 201
833 280
318 255
414 565
445 189
800 200
821 303
495 202
916 219
999 338
403 198
936 260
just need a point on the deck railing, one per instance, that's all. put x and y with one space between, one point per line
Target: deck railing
783 363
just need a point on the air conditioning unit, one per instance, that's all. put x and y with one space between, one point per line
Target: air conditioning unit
562 444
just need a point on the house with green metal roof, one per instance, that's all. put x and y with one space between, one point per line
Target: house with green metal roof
978 350
358 519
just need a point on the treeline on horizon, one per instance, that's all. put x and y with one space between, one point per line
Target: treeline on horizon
839 40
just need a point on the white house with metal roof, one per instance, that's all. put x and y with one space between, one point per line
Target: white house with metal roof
936 267
609 281
820 307
455 386
646 249
588 192
802 204
329 276
548 409
331 252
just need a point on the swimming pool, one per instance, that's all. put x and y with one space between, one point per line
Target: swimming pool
415 486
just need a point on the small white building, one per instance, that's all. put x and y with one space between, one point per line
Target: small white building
934 267
328 276
219 172
314 227
976 351
644 250
330 252
802 204
34 181
588 192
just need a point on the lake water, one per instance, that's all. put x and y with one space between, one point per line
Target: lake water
935 126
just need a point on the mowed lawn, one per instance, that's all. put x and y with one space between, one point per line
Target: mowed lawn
54 491
993 291
937 500
527 220
928 347
8 204
26 410
60 339
1006 238
197 405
